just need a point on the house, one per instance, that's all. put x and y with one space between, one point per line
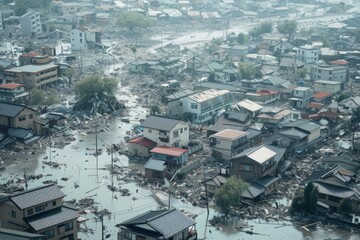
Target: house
34 76
301 97
215 183
203 106
39 210
19 235
308 53
84 37
171 155
68 8
174 102
272 38
253 163
155 170
274 115
327 86
334 185
30 23
140 146
263 96
306 126
221 72
233 120
13 92
343 159
322 97
16 115
159 224
228 143
166 131
328 72
283 47
260 188
34 58
250 107
287 63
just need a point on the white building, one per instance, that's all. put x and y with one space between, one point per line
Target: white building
302 97
68 8
308 53
83 37
166 131
31 23
327 86
205 105
328 72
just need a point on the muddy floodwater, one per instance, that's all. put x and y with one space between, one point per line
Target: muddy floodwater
78 164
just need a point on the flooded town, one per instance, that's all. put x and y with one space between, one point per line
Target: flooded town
179 119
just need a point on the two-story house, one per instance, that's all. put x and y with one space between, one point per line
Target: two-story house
327 86
16 115
301 97
160 224
308 53
83 37
41 211
203 106
171 155
274 115
13 92
309 128
166 131
328 72
263 96
255 162
228 143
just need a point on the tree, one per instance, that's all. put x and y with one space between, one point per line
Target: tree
262 28
69 72
345 206
310 198
302 73
133 49
20 9
229 194
246 70
287 27
211 77
241 38
155 109
95 87
133 21
43 99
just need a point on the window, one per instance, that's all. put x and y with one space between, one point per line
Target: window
218 141
30 211
80 34
176 134
39 208
149 131
194 106
22 118
80 40
69 226
181 130
49 233
246 167
127 235
156 174
54 203
185 129
13 214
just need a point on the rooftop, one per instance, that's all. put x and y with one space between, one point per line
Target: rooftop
259 154
11 109
171 151
250 105
155 164
230 134
328 82
160 123
32 68
143 141
10 85
322 95
207 95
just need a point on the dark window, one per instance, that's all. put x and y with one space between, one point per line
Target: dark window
194 106
246 167
127 235
22 118
69 226
13 214
176 134
31 116
49 233
30 211
54 203
39 208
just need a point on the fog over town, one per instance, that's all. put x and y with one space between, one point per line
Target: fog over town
179 119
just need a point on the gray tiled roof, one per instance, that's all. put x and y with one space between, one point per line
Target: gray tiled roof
10 110
160 123
166 222
10 234
52 218
36 196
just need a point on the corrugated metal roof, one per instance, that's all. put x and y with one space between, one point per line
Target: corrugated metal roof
51 218
160 123
250 105
171 151
207 95
230 134
143 141
154 164
37 196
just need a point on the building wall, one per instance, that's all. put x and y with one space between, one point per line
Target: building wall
308 55
182 138
323 87
7 220
149 175
180 236
137 149
247 175
223 147
329 73
78 40
30 23
46 207
25 119
314 135
61 231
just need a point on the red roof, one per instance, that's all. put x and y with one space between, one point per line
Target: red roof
266 92
322 95
143 141
339 62
171 151
10 85
315 105
31 54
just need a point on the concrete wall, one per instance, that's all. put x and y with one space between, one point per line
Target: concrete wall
6 218
323 87
137 149
314 135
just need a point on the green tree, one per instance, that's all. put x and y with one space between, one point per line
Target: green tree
229 194
310 198
133 49
69 72
287 27
262 28
133 21
246 70
43 99
155 109
241 38
95 87
345 206
302 73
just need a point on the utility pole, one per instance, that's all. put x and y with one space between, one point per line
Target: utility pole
112 166
170 187
25 178
102 226
50 145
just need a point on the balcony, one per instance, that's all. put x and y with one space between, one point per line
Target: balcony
192 237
